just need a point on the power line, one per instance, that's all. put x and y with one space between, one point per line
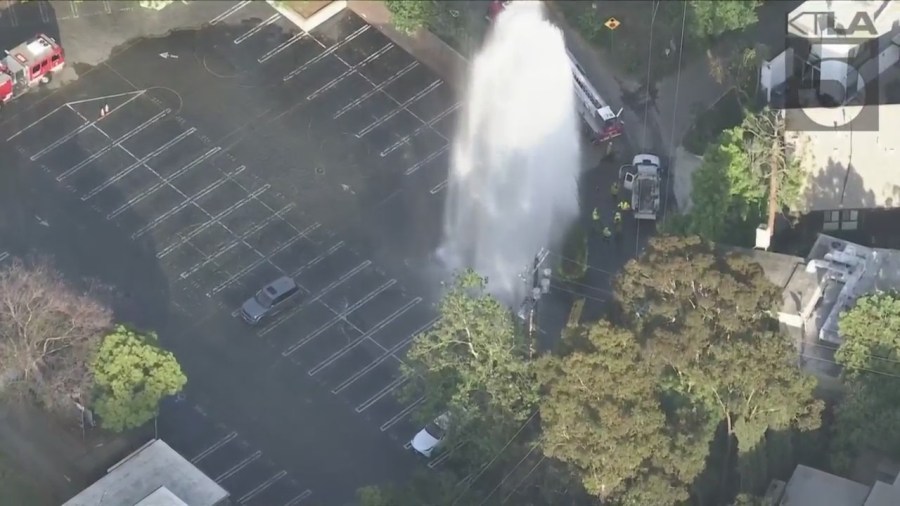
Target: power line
513 491
649 66
674 111
486 466
499 484
867 355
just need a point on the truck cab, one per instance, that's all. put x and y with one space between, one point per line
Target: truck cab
29 64
642 179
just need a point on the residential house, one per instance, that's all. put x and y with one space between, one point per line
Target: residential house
811 487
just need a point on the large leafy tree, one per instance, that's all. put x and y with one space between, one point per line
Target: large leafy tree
712 18
705 319
132 374
869 415
410 15
731 187
600 411
474 362
49 332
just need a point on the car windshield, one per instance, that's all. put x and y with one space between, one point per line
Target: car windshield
435 431
264 299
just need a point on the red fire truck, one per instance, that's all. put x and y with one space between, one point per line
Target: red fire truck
29 64
601 124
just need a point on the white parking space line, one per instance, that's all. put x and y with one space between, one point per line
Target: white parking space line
281 47
142 162
350 70
75 168
407 445
45 15
228 282
402 414
237 467
384 356
107 7
238 239
323 256
390 387
300 498
334 284
365 96
444 456
3 256
215 446
217 219
12 13
425 126
256 29
428 159
78 130
168 180
339 316
356 342
382 120
324 54
438 187
231 10
192 200
74 5
261 487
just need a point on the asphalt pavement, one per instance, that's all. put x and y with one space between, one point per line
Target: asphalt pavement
190 169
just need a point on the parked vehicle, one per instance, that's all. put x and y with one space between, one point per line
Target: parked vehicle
269 301
642 179
430 438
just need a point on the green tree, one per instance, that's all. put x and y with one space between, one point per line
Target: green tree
731 188
871 333
869 414
608 434
705 319
712 18
474 362
410 15
426 488
131 375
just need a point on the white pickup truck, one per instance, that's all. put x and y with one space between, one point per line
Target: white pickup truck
642 179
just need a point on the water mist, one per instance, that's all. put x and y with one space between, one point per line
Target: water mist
513 184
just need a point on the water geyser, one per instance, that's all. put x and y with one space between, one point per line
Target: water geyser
515 162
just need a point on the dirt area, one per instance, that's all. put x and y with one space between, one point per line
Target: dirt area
307 8
17 487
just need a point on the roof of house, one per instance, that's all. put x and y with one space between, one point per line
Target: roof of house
853 169
884 494
811 487
155 475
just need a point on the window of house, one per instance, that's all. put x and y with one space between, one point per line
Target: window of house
832 220
849 220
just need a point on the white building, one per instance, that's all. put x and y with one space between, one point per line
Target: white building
811 487
154 475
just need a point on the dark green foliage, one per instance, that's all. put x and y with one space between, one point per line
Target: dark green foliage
573 264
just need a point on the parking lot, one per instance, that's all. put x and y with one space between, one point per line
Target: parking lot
225 208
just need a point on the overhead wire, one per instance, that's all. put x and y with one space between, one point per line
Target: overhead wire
649 67
669 172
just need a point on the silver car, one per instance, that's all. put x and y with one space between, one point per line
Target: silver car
270 300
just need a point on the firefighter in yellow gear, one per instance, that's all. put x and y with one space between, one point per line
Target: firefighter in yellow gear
624 206
617 218
595 215
614 190
606 233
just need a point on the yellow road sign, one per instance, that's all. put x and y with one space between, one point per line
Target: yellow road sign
612 23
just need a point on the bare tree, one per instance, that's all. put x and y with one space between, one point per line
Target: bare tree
49 333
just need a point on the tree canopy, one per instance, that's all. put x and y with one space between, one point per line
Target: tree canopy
474 363
712 18
132 374
730 192
410 15
871 332
49 333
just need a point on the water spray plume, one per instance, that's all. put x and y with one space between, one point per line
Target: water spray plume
513 185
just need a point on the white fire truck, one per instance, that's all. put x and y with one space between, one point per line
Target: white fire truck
29 64
600 122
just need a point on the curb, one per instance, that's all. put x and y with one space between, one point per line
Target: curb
308 24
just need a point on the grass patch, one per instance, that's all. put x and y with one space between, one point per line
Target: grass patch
628 46
727 112
17 489
573 266
461 24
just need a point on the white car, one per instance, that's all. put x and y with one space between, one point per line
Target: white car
427 440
